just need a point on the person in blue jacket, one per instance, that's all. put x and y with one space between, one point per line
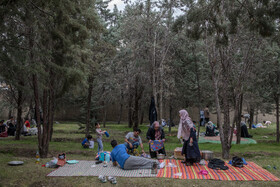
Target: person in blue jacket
86 142
127 162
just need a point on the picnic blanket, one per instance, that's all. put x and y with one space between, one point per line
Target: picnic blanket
216 140
249 172
88 168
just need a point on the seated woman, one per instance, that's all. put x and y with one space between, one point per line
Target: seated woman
155 132
244 131
187 132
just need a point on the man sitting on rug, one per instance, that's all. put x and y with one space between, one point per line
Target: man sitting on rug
133 140
156 132
119 155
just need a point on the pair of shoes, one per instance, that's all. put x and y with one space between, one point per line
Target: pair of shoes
113 180
98 162
183 162
102 178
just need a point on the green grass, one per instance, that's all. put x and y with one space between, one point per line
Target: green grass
67 138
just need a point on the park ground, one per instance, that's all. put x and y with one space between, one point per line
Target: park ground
67 138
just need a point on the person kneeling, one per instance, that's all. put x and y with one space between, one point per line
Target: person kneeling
88 142
127 162
156 132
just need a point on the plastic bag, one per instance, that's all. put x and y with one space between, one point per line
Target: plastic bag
162 165
178 174
171 165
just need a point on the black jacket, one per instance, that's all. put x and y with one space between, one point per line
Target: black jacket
151 133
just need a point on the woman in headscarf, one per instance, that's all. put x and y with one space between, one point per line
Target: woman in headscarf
187 132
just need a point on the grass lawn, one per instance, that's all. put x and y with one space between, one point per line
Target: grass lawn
67 138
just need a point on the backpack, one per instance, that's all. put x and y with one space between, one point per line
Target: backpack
237 162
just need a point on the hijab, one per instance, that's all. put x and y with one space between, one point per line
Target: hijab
185 125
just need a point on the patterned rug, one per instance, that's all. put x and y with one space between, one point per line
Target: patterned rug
249 172
88 168
216 140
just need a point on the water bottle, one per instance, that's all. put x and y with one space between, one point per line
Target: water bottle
101 156
37 157
47 165
107 157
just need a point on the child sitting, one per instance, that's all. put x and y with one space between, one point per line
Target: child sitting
99 137
87 142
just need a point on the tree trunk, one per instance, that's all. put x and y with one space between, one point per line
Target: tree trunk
90 87
121 109
142 117
51 108
45 138
226 127
137 96
19 112
238 119
251 120
104 116
37 111
257 113
130 98
170 118
277 118
198 89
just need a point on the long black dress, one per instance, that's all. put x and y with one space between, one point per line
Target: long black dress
192 153
152 111
151 136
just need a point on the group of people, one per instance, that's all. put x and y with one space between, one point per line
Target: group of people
186 131
8 128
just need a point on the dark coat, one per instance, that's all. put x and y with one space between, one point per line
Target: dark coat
151 136
152 112
191 152
151 133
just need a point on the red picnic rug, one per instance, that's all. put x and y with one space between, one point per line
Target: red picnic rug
249 172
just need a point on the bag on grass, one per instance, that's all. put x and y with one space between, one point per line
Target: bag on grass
61 161
237 162
216 163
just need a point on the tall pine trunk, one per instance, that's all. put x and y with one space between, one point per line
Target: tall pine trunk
130 98
19 112
226 127
90 87
277 117
121 108
37 111
251 119
238 119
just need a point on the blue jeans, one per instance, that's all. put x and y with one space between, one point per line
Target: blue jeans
100 144
134 146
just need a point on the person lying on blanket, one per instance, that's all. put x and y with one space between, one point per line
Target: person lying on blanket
120 156
156 132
